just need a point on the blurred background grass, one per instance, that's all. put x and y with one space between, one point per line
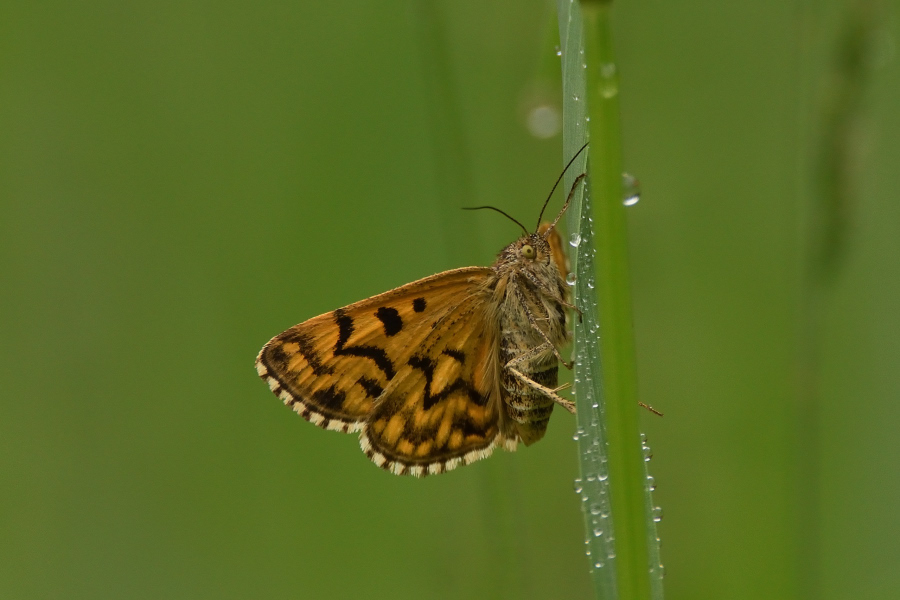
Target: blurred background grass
181 181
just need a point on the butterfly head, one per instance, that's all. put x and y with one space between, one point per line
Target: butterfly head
531 252
532 248
536 261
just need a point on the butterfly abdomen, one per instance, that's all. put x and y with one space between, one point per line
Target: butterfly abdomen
525 403
527 407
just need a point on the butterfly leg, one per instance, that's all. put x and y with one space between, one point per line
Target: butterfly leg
528 354
533 321
551 292
541 285
566 404
547 289
575 308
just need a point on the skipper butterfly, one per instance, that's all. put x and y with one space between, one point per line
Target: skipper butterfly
437 373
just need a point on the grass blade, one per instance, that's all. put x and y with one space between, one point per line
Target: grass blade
619 525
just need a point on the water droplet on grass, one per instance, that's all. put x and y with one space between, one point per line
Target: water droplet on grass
631 189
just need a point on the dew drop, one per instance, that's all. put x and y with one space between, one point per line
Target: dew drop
570 278
595 509
574 240
558 51
598 531
577 485
657 514
651 483
631 189
648 453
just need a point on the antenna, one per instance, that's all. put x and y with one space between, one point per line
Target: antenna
499 211
547 201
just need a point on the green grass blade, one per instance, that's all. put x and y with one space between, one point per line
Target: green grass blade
613 485
626 464
593 482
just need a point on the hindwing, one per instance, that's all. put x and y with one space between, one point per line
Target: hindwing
444 407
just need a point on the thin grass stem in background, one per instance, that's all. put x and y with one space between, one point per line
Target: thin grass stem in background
828 182
497 487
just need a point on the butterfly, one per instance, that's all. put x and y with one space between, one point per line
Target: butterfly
438 372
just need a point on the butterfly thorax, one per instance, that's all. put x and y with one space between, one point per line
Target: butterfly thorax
530 294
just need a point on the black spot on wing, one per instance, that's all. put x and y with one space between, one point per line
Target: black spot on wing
419 304
275 358
469 427
373 353
461 421
391 320
373 389
330 398
305 349
427 366
345 327
457 355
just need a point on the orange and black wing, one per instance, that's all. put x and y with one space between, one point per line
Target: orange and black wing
332 369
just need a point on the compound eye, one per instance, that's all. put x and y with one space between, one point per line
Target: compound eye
527 251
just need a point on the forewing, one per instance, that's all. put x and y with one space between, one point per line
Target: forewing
332 368
443 408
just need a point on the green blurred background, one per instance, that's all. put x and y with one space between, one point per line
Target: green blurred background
179 181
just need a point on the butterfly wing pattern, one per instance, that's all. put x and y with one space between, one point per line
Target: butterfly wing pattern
443 408
425 372
401 368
